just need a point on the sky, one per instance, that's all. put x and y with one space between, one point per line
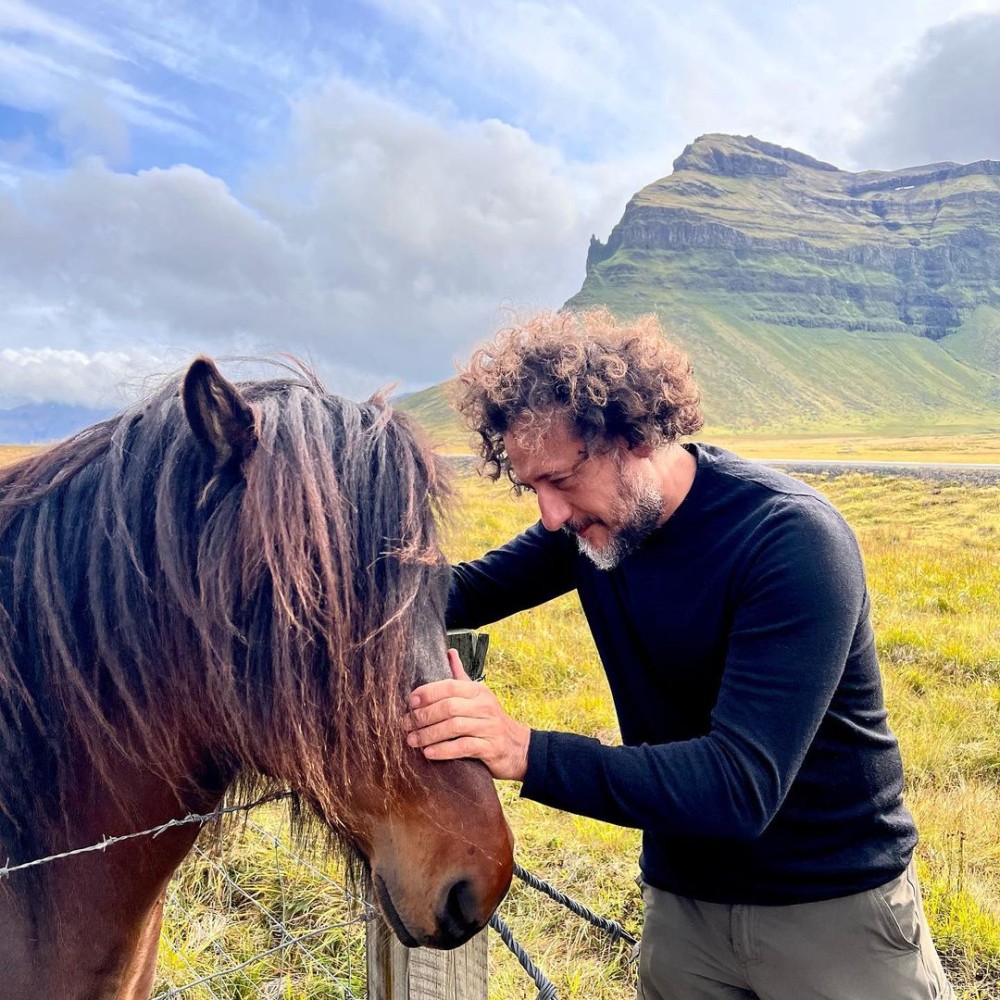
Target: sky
374 185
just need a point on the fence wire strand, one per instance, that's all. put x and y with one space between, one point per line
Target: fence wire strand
275 923
176 991
154 831
610 927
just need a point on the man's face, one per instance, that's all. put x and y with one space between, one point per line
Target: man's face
610 502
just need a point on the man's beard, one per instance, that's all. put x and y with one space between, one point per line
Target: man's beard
637 512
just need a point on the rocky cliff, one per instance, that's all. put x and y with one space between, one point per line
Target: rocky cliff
784 275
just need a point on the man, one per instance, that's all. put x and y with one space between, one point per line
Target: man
729 607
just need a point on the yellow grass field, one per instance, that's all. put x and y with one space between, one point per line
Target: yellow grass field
938 448
12 452
978 448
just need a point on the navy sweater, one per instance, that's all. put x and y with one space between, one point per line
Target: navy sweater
757 759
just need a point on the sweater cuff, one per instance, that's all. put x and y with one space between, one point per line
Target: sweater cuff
538 762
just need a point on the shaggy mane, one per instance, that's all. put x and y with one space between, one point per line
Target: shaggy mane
150 602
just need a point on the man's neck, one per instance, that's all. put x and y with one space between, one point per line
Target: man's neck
675 468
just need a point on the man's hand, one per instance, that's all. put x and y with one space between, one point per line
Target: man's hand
462 718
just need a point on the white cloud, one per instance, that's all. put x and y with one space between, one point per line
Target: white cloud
943 105
418 230
381 246
604 80
23 18
53 66
88 125
100 379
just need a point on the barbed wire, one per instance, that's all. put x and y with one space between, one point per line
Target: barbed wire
154 831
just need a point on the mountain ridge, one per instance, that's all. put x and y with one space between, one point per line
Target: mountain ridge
812 297
42 423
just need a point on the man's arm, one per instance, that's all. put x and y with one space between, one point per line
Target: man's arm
529 570
799 609
798 612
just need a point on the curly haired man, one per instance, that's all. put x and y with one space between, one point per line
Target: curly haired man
729 607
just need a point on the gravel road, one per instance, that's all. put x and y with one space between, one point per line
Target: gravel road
976 474
973 473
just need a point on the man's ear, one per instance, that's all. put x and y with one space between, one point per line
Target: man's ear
221 419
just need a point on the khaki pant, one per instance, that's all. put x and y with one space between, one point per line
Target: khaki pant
871 946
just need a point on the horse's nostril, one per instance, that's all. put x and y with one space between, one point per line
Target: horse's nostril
461 906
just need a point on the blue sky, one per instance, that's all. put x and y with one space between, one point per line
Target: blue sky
370 184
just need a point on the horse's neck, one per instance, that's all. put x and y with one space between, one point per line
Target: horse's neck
93 933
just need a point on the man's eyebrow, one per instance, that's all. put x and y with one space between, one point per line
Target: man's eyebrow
549 474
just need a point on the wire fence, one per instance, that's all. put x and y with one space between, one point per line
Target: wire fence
250 916
253 894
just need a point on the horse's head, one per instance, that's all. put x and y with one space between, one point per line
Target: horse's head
438 848
319 605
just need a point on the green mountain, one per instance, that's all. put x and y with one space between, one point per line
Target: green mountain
812 299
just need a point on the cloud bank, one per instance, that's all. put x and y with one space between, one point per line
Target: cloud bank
369 187
943 105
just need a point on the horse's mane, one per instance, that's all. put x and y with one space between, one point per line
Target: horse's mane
147 595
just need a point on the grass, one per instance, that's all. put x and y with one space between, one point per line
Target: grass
12 452
783 339
940 447
242 898
933 448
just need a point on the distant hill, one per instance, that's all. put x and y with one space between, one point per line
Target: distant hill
814 299
40 423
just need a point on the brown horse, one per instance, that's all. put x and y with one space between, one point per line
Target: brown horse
234 586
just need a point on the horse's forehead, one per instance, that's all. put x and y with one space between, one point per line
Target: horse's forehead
432 668
430 652
428 646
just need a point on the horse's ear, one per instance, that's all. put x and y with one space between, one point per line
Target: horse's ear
221 419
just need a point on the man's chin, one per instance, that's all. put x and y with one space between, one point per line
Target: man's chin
606 556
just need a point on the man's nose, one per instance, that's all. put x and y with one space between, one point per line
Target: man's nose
554 509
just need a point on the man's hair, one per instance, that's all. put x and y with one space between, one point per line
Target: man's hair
612 379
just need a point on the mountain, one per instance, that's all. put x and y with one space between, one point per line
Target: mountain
812 299
39 423
815 298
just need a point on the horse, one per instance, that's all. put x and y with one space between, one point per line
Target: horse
229 588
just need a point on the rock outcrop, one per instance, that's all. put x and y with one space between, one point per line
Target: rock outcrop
808 245
814 298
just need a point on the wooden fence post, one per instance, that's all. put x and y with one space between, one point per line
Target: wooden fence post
396 972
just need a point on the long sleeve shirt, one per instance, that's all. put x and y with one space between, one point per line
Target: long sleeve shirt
756 756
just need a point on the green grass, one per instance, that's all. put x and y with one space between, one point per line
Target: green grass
237 899
759 374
